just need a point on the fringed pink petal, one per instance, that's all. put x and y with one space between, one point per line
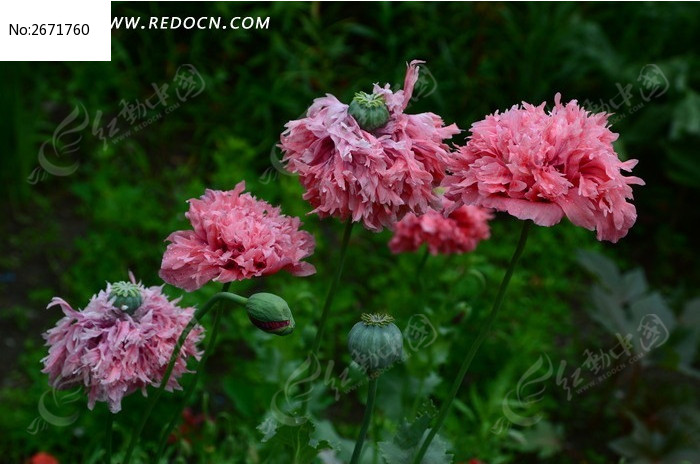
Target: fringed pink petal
234 237
542 165
374 178
457 231
113 354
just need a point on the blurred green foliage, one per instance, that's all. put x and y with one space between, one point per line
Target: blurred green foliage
67 235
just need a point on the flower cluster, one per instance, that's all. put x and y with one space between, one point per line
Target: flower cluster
373 176
235 236
113 353
458 231
543 165
367 162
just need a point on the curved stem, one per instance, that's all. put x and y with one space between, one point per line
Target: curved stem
198 315
329 301
177 413
483 333
334 285
371 395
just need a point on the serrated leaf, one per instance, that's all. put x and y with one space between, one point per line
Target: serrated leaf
609 311
603 267
268 428
410 435
294 444
655 304
544 438
635 284
436 454
324 431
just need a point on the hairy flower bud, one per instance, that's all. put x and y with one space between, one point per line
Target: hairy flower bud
375 343
127 296
270 313
369 110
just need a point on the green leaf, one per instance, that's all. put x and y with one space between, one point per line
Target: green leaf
324 431
436 454
409 436
544 439
603 267
293 444
655 304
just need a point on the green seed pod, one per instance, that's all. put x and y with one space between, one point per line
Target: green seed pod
127 296
369 110
270 314
375 343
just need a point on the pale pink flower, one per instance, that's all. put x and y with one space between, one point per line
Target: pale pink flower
235 236
374 177
458 231
543 165
113 353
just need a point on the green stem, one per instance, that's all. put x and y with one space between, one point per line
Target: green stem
375 433
371 395
177 412
334 285
483 333
421 264
416 401
329 301
198 315
420 282
108 437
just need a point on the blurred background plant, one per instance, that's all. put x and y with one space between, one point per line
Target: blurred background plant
67 235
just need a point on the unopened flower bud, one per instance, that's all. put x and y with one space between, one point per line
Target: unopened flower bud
270 314
127 296
375 343
369 110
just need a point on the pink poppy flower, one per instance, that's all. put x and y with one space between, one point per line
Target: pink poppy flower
235 236
371 176
113 350
543 165
460 231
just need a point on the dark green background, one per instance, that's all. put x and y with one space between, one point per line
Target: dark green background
66 235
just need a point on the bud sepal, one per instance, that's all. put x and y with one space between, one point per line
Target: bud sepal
270 313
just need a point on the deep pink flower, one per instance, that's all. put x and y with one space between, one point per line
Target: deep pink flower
460 231
113 353
374 177
235 236
543 165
